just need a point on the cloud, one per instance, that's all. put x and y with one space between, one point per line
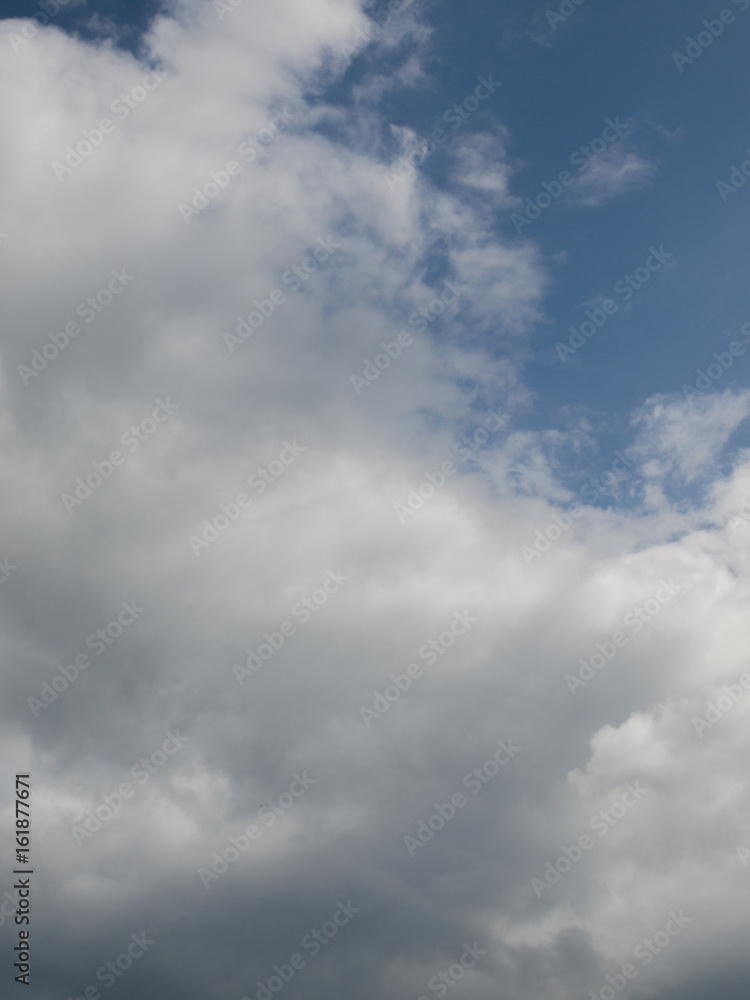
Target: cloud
480 164
686 437
326 265
616 171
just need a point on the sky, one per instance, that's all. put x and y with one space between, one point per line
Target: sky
374 402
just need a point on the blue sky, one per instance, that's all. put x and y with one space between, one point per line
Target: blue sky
559 86
344 590
560 82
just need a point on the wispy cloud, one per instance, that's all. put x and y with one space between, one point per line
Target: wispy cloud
616 171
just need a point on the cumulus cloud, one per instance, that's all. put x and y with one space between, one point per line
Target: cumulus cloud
360 521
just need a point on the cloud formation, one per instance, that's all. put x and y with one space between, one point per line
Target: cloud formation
214 353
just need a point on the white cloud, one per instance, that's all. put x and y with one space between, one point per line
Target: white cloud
333 509
480 164
617 171
687 436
